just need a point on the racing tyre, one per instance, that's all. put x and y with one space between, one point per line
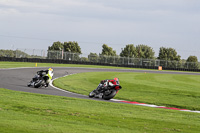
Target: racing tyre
38 84
92 94
29 84
110 95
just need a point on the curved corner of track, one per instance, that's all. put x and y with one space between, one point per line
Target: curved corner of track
17 79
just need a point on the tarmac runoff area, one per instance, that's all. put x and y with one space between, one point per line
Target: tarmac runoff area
17 79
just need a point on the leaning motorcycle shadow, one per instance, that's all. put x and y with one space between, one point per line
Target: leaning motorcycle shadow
31 87
38 88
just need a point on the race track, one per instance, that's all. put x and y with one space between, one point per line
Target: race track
17 79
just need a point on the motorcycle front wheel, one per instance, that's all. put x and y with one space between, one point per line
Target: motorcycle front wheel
92 94
29 84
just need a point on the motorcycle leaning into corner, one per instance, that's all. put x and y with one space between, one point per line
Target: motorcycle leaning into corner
106 90
42 78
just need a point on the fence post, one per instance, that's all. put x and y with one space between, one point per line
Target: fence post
62 53
41 53
33 52
16 53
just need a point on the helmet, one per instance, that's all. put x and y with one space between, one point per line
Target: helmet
116 79
102 81
50 69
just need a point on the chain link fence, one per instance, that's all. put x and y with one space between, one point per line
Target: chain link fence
98 59
31 53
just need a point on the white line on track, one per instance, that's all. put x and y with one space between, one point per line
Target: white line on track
51 84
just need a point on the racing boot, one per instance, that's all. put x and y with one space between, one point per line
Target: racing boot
46 85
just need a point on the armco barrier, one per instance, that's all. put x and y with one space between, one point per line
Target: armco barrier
61 61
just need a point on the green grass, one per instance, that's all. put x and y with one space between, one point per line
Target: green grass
8 64
5 64
22 112
181 91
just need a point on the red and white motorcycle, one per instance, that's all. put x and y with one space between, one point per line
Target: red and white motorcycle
105 90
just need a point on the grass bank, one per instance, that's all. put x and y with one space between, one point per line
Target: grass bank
5 64
22 112
181 91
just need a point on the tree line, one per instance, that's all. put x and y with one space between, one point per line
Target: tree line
130 50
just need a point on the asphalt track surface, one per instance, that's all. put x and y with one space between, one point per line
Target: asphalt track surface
17 79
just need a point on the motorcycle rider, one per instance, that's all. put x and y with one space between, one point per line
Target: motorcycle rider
105 84
48 73
106 89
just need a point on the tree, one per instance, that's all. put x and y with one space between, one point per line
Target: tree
172 59
7 53
108 51
54 51
56 46
128 51
192 63
144 51
192 59
72 47
15 53
67 47
168 54
84 59
93 57
107 55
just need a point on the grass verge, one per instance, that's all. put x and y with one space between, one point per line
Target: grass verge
5 64
22 112
181 91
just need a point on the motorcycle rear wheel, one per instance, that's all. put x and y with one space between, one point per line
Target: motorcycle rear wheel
109 96
38 84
